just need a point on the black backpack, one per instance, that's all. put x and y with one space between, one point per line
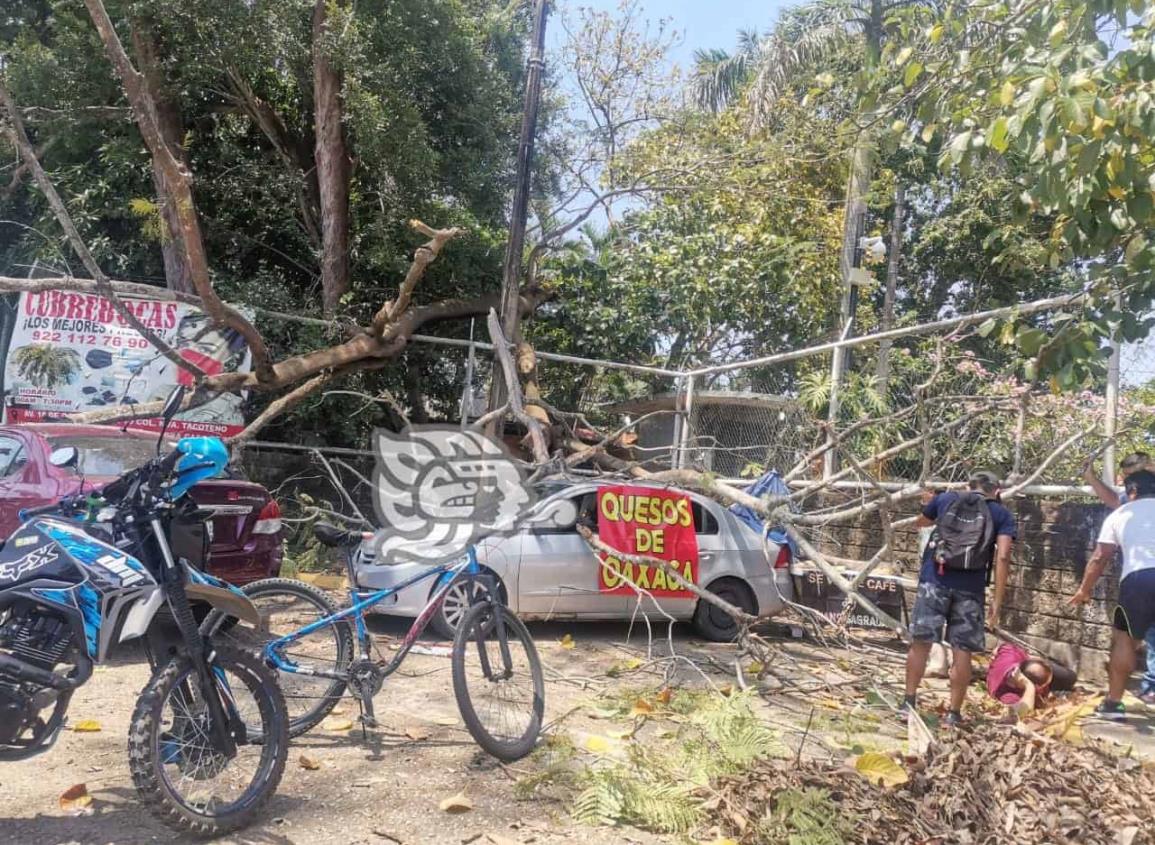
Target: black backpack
964 536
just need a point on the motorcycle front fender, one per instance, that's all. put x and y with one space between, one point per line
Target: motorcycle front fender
227 601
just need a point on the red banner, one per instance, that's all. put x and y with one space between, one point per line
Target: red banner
177 428
649 522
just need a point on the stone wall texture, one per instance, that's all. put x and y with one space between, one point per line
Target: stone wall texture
1055 541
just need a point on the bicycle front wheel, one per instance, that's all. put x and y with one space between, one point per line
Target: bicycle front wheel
497 681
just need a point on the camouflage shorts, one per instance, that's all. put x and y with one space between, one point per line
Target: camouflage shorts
961 613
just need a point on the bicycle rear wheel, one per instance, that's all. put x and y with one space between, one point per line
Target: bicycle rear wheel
287 606
497 681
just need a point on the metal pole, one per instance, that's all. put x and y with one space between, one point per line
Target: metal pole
687 424
467 391
676 440
1111 420
511 276
841 359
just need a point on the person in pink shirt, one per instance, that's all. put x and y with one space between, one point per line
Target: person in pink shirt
1016 679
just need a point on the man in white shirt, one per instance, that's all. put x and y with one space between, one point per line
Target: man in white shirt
1112 498
1130 528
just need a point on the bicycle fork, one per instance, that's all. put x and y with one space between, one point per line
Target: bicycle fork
494 600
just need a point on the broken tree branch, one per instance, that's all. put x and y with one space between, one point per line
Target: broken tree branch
424 255
670 572
179 183
513 389
1057 453
278 406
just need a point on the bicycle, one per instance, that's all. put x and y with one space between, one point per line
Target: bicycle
316 661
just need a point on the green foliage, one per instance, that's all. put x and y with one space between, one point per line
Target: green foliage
654 788
1050 87
805 817
553 760
619 796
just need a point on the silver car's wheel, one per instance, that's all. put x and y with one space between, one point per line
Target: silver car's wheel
456 605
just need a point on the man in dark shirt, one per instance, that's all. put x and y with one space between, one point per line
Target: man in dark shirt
954 599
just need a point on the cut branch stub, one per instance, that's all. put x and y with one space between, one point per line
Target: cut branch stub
425 255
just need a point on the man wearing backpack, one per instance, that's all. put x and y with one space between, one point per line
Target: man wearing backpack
973 532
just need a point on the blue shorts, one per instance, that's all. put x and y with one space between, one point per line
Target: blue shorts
1135 613
958 611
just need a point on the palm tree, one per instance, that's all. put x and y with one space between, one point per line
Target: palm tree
45 365
765 67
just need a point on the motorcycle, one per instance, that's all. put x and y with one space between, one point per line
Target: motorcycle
209 734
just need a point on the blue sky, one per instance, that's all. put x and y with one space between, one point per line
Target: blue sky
704 23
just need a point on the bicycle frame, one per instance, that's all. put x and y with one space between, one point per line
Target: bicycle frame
362 601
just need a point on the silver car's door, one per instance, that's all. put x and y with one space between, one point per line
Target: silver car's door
558 573
711 548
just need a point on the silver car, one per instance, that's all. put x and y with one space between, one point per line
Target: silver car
547 571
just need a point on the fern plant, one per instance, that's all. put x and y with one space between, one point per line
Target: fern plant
805 817
626 795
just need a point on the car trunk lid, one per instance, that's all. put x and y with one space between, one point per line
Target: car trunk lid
237 508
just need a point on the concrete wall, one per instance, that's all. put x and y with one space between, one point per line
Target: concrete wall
1055 542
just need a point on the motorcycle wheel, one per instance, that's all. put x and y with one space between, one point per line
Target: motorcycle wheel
179 777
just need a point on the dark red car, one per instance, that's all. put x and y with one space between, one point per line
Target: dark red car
246 527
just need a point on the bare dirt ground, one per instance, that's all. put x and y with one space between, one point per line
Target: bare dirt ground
387 789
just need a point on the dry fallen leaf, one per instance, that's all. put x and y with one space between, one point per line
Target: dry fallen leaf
86 726
755 667
498 839
308 763
416 734
880 769
830 703
665 695
1127 835
459 803
76 799
597 744
338 724
641 708
602 713
567 641
726 689
1065 725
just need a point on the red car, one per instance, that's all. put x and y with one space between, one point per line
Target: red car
246 527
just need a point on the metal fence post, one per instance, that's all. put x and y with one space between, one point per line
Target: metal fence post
687 424
676 440
1111 419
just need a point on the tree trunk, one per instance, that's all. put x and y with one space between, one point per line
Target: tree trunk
145 45
332 158
893 259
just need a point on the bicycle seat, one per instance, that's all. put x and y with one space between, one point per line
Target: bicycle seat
334 537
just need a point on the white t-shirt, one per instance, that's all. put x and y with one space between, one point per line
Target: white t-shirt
1132 528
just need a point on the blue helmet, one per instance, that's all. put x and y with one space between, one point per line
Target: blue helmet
201 458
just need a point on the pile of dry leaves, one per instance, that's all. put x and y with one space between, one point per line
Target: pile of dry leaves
999 785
